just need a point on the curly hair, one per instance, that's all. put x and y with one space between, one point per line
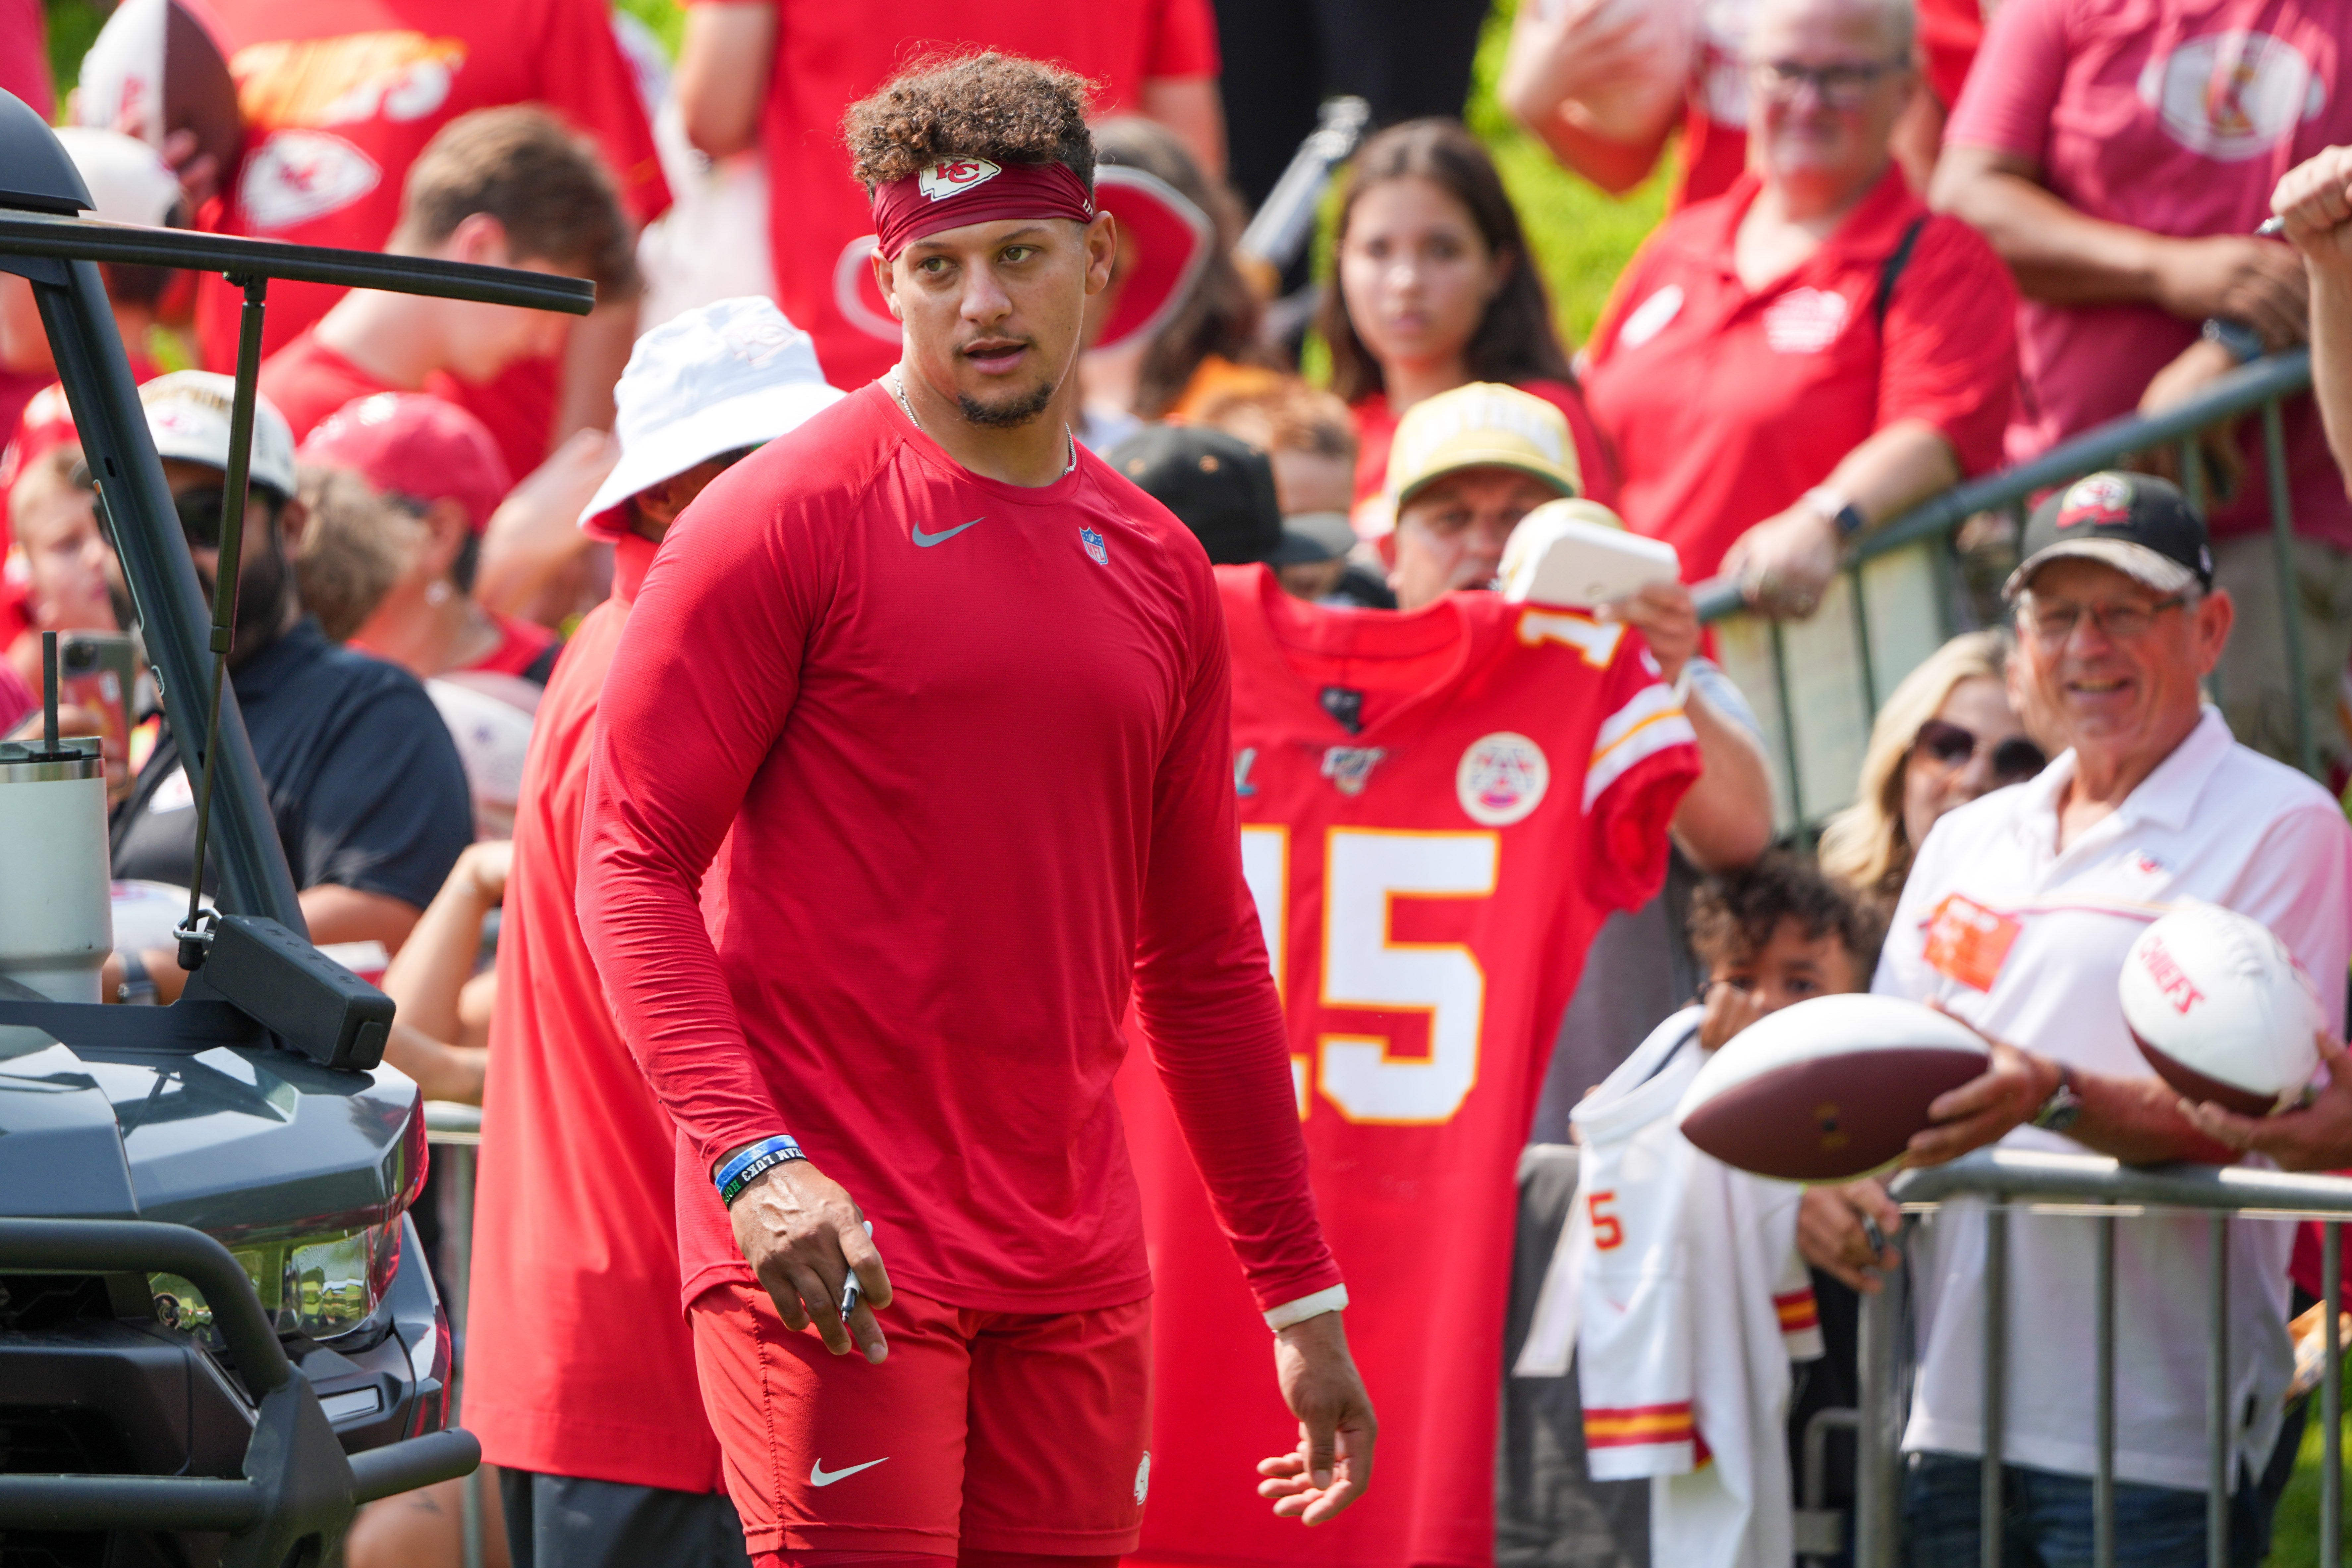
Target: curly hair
1003 108
1733 917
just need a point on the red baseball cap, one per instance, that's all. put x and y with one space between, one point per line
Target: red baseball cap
415 447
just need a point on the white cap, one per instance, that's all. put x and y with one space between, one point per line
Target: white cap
187 414
725 375
129 181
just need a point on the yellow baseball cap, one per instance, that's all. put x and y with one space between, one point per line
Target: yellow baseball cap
1481 425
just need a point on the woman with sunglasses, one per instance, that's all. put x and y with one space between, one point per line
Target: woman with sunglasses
1946 735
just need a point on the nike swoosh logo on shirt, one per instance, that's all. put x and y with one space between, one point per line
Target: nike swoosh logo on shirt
817 1475
925 541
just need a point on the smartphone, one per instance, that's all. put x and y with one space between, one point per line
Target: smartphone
95 674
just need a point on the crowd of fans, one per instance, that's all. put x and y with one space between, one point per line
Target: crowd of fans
1885 269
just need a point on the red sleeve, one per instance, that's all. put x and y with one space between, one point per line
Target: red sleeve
1205 993
1645 758
584 77
1183 40
1950 354
1950 32
679 736
2006 105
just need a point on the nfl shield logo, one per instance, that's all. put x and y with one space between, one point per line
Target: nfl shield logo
1094 544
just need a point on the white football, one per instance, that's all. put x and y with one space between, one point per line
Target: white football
2222 1010
1827 1090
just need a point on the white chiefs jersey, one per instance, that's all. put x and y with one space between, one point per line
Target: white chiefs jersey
1678 1285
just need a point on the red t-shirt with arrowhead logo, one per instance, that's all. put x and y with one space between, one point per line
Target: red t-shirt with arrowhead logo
1427 885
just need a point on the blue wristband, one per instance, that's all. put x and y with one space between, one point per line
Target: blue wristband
747 1166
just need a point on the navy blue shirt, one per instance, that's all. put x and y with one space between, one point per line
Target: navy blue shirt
363 780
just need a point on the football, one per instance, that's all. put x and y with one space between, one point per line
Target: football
1827 1090
2222 1010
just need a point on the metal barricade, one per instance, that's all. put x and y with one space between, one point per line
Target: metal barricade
1895 601
455 1132
2109 1192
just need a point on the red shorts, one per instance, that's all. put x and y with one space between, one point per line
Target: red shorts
994 1431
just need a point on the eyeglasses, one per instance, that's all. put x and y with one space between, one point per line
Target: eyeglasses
1840 85
1950 745
2052 621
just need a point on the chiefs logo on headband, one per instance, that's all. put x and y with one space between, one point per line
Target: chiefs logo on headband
949 193
953 176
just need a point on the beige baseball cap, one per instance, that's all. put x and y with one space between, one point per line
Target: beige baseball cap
188 416
1484 425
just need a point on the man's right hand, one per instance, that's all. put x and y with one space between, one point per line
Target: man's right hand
803 1235
2240 278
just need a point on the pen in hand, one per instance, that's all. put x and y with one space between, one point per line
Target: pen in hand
850 1292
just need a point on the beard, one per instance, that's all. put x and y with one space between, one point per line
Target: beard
1003 415
263 580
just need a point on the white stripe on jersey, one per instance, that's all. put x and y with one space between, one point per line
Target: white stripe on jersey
1649 723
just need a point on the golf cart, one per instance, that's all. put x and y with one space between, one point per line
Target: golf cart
217 1332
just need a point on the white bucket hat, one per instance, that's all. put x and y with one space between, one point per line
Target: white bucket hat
728 374
187 414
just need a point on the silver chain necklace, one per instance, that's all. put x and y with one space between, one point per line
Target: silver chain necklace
898 391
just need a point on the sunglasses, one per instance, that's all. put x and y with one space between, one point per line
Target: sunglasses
1948 746
200 513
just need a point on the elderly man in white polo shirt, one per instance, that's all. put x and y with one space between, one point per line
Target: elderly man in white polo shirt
2016 919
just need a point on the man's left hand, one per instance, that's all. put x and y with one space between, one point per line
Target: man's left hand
1986 1108
2316 1138
1667 618
1333 1463
1784 563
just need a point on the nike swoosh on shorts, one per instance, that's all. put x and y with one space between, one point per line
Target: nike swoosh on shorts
925 541
817 1475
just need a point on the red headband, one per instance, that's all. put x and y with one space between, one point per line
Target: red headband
954 192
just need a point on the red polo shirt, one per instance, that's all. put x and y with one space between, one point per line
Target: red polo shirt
1724 403
579 1362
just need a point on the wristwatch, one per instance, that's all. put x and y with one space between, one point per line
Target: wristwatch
2058 1112
2244 344
1839 509
136 985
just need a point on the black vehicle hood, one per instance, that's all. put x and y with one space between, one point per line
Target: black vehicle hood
244 1144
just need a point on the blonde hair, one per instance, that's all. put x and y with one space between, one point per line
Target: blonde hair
1865 846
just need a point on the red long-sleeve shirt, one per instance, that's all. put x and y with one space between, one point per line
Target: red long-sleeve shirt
956 756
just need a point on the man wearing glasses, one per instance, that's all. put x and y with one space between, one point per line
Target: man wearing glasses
2016 919
364 782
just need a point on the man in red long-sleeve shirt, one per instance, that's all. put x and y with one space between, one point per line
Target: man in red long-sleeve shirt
914 762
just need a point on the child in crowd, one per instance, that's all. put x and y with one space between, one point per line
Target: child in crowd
1678 1278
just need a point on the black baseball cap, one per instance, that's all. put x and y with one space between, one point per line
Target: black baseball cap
1311 536
2140 525
1218 486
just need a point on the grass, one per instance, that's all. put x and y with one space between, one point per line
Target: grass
1581 236
2294 1531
